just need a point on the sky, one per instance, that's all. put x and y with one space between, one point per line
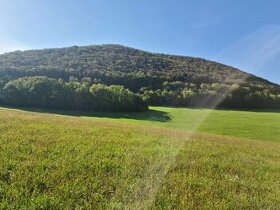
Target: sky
240 33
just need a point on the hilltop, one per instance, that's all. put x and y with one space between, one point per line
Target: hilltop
87 60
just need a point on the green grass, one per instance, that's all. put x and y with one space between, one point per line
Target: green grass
255 124
139 161
263 125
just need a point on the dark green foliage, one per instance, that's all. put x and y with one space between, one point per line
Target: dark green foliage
160 79
37 92
51 93
214 95
116 97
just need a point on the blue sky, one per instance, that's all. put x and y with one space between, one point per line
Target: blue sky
244 34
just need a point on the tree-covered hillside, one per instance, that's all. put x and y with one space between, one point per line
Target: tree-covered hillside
160 79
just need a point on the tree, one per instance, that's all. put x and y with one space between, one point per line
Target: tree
50 93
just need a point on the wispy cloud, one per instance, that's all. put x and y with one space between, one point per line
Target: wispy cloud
254 51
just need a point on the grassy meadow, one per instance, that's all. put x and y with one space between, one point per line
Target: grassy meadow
254 124
167 158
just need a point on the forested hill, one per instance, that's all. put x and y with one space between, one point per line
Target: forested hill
108 62
160 79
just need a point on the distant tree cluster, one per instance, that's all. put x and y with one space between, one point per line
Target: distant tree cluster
160 79
212 95
52 93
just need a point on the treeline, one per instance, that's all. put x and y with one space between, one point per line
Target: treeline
51 93
212 95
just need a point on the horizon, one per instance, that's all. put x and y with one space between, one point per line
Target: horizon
201 29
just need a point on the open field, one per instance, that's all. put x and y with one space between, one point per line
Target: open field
143 160
255 124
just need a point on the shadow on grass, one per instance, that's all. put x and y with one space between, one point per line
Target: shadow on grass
151 115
